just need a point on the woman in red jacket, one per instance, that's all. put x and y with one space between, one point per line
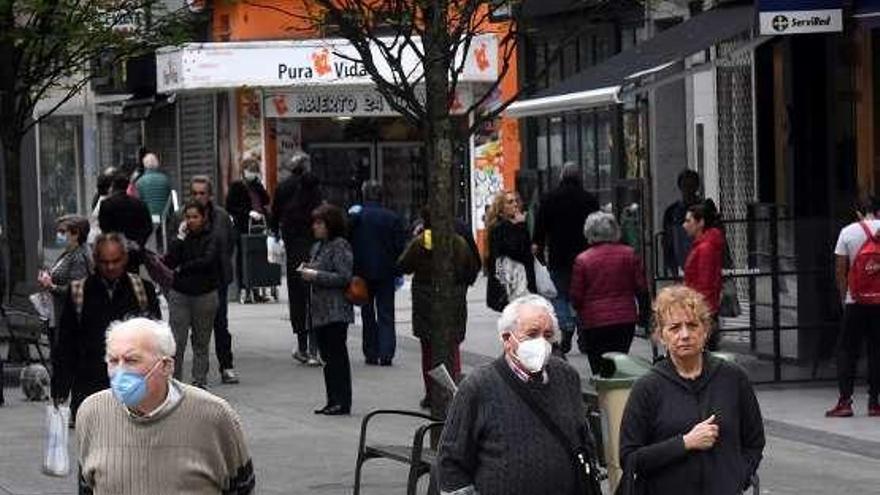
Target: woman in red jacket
702 269
606 281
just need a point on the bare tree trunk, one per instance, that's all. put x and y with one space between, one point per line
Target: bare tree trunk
439 143
13 229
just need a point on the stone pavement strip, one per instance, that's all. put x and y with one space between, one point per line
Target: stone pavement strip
297 452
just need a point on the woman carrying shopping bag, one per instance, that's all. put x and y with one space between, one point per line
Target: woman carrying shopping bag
192 300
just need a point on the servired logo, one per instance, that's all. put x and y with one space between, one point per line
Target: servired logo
482 57
321 62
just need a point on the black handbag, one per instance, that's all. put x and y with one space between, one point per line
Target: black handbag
584 462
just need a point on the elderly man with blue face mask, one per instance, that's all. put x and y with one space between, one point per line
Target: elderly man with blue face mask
518 425
191 441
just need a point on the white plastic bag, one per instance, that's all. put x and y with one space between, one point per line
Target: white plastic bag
544 283
43 304
512 276
55 460
274 250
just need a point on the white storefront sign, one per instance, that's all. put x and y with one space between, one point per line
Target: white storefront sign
801 22
357 101
298 63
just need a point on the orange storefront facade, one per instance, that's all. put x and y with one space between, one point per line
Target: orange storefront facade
283 87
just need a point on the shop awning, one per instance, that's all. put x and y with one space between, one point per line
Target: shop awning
601 85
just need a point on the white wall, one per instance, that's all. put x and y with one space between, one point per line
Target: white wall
705 112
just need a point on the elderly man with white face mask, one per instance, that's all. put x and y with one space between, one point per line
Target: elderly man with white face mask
518 425
151 434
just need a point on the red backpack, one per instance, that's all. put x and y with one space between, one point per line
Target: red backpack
864 274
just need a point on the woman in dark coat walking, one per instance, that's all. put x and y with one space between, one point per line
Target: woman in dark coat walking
192 301
329 273
416 260
692 425
74 263
248 204
508 237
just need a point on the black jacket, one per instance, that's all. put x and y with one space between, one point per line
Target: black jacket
560 223
378 237
195 261
663 407
295 199
238 202
511 240
224 232
78 358
127 215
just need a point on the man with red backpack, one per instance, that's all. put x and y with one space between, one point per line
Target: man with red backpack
858 281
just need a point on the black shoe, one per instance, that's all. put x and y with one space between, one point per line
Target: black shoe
323 410
336 410
425 403
372 361
385 362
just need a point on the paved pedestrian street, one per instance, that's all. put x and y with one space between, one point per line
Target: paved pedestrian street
298 452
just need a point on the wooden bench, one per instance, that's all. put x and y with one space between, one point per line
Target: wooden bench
419 457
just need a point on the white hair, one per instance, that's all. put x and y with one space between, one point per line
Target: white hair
163 339
509 320
301 160
150 160
601 227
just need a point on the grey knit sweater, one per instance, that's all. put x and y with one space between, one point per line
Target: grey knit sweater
194 447
494 443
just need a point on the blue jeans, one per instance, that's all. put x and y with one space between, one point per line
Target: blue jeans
561 304
377 316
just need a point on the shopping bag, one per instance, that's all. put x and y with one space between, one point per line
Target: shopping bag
511 275
55 459
274 250
43 305
543 282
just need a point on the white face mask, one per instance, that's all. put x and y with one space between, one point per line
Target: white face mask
248 175
533 354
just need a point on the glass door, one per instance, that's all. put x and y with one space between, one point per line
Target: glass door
342 168
404 177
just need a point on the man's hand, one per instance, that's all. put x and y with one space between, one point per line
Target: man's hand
702 436
519 217
256 216
181 230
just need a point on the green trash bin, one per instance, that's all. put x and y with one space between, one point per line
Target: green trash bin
613 393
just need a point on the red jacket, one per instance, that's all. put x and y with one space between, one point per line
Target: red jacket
605 281
702 269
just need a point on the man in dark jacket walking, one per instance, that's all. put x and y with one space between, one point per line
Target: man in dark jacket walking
109 295
295 199
560 230
220 224
128 216
378 238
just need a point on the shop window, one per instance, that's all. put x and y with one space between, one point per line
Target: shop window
541 144
587 49
588 145
556 144
572 143
554 61
604 144
60 174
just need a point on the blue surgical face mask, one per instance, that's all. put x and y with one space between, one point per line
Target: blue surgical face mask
130 387
61 238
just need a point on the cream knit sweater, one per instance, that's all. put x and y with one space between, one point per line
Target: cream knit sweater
194 447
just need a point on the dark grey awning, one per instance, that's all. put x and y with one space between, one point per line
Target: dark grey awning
600 85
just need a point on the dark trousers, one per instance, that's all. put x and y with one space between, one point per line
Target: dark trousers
222 337
297 299
428 361
599 340
337 370
860 323
377 316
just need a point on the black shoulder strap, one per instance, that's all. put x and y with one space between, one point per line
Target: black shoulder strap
582 460
539 411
